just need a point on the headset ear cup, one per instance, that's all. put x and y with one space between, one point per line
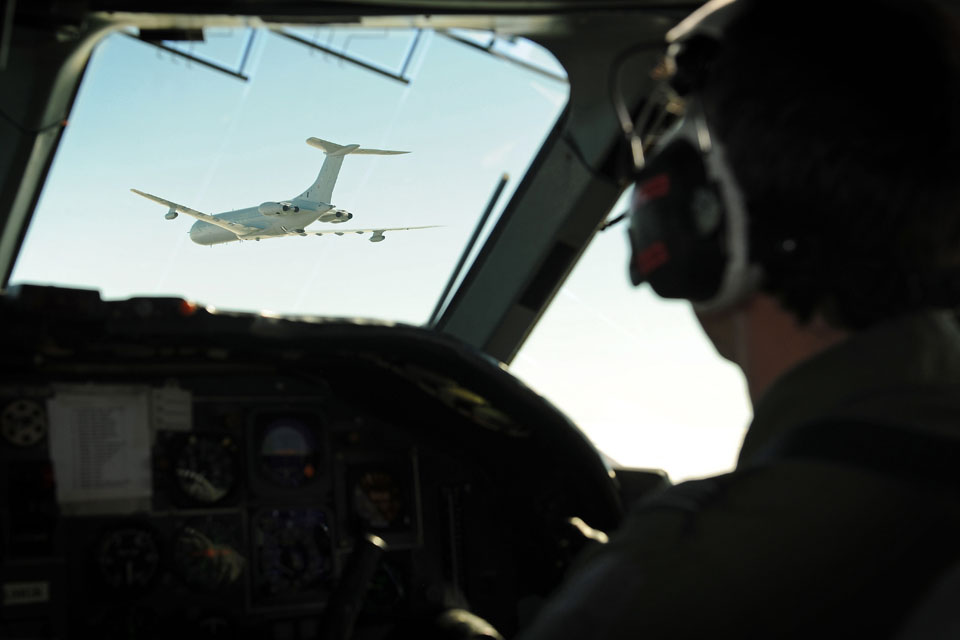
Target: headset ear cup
677 226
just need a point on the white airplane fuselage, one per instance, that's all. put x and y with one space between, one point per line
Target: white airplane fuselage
287 217
273 225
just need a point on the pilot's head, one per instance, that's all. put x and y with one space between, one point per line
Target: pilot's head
817 162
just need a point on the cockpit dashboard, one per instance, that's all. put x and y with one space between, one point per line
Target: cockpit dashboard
168 470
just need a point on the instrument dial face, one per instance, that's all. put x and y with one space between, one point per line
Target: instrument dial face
206 556
205 469
23 422
379 501
128 558
288 453
293 551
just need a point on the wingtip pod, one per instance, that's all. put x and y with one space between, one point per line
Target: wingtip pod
334 149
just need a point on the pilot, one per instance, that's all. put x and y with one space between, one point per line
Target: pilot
807 203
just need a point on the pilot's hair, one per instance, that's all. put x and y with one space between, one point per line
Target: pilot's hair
841 121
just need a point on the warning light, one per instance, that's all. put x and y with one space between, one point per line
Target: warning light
309 471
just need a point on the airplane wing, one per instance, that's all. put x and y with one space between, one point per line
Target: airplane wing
239 229
339 232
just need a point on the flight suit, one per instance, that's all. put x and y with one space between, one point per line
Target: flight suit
791 547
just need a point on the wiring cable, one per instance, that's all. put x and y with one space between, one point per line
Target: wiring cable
62 123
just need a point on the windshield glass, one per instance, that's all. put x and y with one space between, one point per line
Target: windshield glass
468 107
635 371
222 126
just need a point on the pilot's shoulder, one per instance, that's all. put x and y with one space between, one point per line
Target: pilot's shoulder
731 552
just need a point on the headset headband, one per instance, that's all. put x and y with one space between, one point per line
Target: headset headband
710 20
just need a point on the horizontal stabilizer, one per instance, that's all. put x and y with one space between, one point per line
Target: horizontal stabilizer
333 149
340 232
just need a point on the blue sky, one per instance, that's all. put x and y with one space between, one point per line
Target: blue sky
625 365
148 120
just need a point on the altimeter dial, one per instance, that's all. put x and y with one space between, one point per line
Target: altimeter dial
128 558
206 556
205 469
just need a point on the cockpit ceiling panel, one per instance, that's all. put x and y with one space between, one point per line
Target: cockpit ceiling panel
301 7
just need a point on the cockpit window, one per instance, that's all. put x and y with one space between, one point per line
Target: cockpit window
635 371
243 122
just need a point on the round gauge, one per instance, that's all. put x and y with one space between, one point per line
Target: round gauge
204 557
205 468
378 500
23 422
288 457
128 558
293 550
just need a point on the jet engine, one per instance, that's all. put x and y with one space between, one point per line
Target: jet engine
377 236
277 208
335 215
171 215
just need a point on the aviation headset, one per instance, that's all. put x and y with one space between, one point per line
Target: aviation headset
689 226
690 230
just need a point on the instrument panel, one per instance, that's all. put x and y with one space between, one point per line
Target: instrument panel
253 512
201 476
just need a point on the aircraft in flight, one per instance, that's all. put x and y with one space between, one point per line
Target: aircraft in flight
285 218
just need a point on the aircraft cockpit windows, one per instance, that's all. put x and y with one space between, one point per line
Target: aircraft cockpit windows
327 171
638 352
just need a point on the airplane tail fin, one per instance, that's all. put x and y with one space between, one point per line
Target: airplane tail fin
321 191
333 149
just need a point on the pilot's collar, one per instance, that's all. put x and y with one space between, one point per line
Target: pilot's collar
902 372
